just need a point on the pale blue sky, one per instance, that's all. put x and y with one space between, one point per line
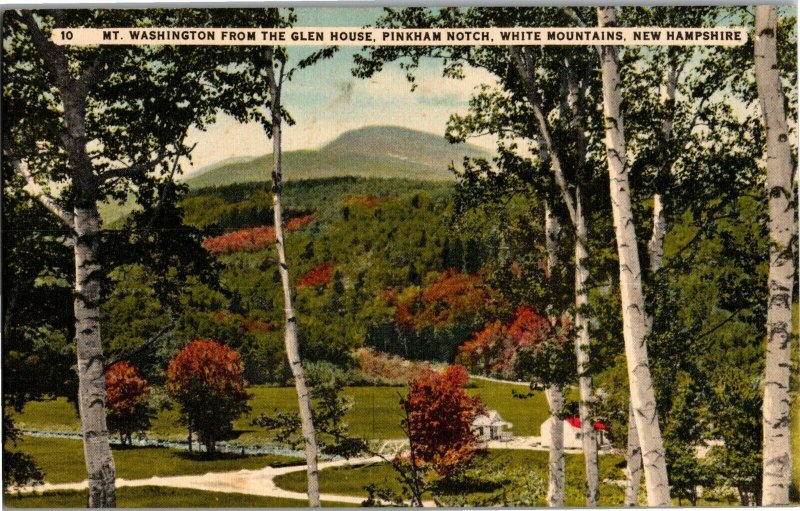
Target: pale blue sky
326 100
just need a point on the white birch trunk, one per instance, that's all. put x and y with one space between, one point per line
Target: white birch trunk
91 373
656 245
290 334
552 228
656 251
582 340
782 226
588 435
555 486
633 469
634 327
554 393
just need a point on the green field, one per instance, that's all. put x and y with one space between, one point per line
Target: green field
155 497
375 415
61 460
352 480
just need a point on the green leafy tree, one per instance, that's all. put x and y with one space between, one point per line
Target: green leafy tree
206 379
76 133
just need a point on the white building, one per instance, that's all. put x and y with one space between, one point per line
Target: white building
572 433
489 426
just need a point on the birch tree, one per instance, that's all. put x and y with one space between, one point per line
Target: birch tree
572 196
655 247
76 133
777 454
554 392
275 84
632 297
253 92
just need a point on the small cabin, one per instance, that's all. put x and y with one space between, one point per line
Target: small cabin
572 433
489 426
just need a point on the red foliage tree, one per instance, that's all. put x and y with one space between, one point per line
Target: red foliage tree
126 399
206 379
439 416
493 350
250 240
485 352
452 297
317 277
529 328
299 222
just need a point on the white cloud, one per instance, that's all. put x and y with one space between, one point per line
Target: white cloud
323 111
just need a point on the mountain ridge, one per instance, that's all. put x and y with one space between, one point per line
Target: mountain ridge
371 151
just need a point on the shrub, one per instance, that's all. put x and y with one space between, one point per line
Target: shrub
382 368
206 379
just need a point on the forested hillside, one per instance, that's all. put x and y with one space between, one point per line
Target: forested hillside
387 152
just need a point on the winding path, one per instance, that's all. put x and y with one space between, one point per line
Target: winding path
249 482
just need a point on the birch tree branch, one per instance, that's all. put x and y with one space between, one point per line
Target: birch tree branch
144 346
36 190
524 69
169 184
132 170
53 55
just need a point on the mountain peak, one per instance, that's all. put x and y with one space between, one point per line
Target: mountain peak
401 143
370 151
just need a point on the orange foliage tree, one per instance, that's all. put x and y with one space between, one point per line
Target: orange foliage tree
316 277
529 328
439 416
250 240
485 351
435 320
127 400
496 348
206 379
452 297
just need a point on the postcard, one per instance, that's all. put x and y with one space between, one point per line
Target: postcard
349 256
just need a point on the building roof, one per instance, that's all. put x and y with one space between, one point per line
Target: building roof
575 422
490 418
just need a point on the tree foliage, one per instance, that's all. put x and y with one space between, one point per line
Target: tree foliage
438 420
127 400
330 410
206 380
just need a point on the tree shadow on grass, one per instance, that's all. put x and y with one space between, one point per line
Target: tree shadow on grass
125 447
466 483
203 457
210 456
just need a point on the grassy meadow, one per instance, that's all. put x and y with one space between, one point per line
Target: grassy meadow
375 414
155 497
62 461
352 480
